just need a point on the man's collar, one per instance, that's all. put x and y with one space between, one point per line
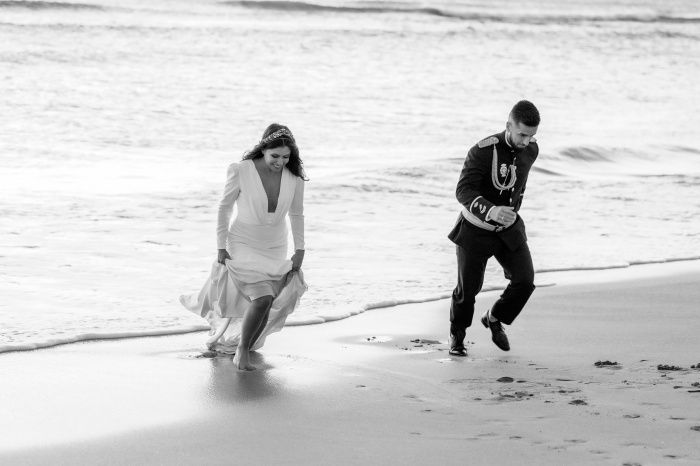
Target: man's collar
505 138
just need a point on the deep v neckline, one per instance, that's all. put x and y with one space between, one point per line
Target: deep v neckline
267 196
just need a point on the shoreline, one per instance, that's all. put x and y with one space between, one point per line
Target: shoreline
381 389
543 278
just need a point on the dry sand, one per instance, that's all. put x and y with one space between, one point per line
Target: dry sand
380 388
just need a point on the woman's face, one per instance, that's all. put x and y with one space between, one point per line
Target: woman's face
276 158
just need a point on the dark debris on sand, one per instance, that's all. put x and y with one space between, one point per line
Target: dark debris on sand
606 363
695 366
668 367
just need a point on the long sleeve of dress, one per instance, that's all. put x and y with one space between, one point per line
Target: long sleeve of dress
296 215
231 191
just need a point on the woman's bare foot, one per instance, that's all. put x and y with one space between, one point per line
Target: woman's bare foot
242 360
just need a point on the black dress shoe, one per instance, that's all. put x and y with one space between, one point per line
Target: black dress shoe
498 335
457 347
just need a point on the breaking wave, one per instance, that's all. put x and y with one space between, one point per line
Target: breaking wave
443 13
38 5
304 320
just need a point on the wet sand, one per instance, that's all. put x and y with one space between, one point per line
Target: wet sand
380 387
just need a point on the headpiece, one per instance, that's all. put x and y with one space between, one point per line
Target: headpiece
277 134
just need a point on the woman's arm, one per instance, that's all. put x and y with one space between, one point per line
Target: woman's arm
296 219
231 191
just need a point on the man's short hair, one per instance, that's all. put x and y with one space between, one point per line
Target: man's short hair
526 113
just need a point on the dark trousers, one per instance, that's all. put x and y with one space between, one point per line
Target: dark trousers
471 265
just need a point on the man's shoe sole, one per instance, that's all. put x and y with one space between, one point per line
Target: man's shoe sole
485 322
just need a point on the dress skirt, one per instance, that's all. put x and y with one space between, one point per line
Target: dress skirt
254 271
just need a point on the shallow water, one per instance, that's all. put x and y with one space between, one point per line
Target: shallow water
119 119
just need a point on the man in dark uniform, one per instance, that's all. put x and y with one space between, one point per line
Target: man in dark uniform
490 190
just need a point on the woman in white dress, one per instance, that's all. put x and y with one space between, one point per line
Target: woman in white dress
253 287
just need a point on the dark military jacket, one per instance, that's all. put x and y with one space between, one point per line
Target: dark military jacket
484 184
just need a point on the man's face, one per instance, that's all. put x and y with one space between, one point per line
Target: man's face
520 135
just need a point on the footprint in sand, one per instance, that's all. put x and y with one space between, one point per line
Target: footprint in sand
516 396
695 428
578 402
505 379
426 342
573 390
632 416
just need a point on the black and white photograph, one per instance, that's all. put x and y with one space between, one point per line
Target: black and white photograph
349 232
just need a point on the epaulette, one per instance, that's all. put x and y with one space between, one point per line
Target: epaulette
489 141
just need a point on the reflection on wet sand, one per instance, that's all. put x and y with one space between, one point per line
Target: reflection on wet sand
229 385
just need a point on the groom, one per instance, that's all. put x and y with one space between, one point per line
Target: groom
490 190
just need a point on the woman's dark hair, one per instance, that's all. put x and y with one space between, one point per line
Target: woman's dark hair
285 139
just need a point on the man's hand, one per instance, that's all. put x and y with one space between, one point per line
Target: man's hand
505 215
297 259
223 255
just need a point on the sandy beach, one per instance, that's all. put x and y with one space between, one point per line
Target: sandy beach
380 388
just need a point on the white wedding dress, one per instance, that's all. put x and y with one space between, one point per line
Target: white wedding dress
257 243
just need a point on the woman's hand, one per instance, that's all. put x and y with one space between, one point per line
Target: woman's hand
297 259
223 255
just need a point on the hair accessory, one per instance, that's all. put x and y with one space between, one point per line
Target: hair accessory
277 134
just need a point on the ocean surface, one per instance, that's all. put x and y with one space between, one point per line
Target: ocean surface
119 117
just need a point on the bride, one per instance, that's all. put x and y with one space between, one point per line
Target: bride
253 287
